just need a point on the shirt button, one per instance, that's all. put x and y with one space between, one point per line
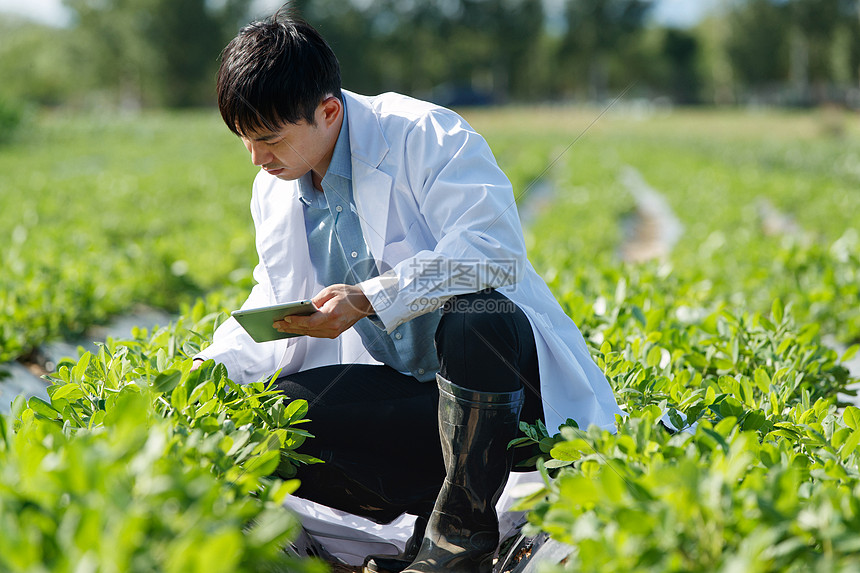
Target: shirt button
353 254
398 336
420 371
338 208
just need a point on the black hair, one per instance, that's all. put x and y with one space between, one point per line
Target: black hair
275 72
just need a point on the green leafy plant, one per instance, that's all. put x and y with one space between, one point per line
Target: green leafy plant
138 463
646 500
728 331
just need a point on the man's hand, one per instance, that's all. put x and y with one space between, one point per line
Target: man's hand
338 308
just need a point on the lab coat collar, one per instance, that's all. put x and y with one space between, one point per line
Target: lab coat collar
364 130
371 186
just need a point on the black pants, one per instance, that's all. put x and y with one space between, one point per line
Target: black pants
377 429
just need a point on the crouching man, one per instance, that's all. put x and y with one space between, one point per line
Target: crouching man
434 335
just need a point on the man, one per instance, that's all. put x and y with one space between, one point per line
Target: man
393 217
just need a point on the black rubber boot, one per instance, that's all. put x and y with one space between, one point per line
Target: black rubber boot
475 429
397 563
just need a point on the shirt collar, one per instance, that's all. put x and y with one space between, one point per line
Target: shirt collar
307 193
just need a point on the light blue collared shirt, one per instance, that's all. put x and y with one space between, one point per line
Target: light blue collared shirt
340 255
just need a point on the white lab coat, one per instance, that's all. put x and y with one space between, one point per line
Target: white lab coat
430 198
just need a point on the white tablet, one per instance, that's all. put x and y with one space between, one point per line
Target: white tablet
258 321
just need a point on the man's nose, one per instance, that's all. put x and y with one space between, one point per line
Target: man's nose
259 154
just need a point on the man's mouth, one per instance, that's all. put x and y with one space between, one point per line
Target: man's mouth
273 171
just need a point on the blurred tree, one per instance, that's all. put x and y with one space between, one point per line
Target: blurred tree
154 52
511 31
681 50
433 48
715 65
596 31
414 43
349 30
818 45
188 39
165 52
809 46
759 41
36 65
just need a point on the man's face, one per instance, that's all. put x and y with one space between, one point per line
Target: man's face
290 150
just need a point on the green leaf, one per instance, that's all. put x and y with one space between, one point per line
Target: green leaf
710 396
717 438
769 455
179 398
851 417
70 414
784 346
590 468
546 444
204 372
43 408
639 315
263 464
240 438
654 357
762 379
80 368
850 445
753 420
166 381
69 391
850 353
726 425
730 407
270 526
219 320
296 410
130 409
19 404
200 391
839 436
208 407
97 419
161 360
208 424
286 488
565 451
190 348
808 333
777 311
541 467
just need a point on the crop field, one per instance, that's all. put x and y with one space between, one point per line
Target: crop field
710 258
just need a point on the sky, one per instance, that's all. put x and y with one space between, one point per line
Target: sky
680 13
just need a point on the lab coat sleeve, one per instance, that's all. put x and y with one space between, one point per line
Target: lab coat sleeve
246 361
467 204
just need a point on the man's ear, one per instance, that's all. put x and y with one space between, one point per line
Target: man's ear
329 111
